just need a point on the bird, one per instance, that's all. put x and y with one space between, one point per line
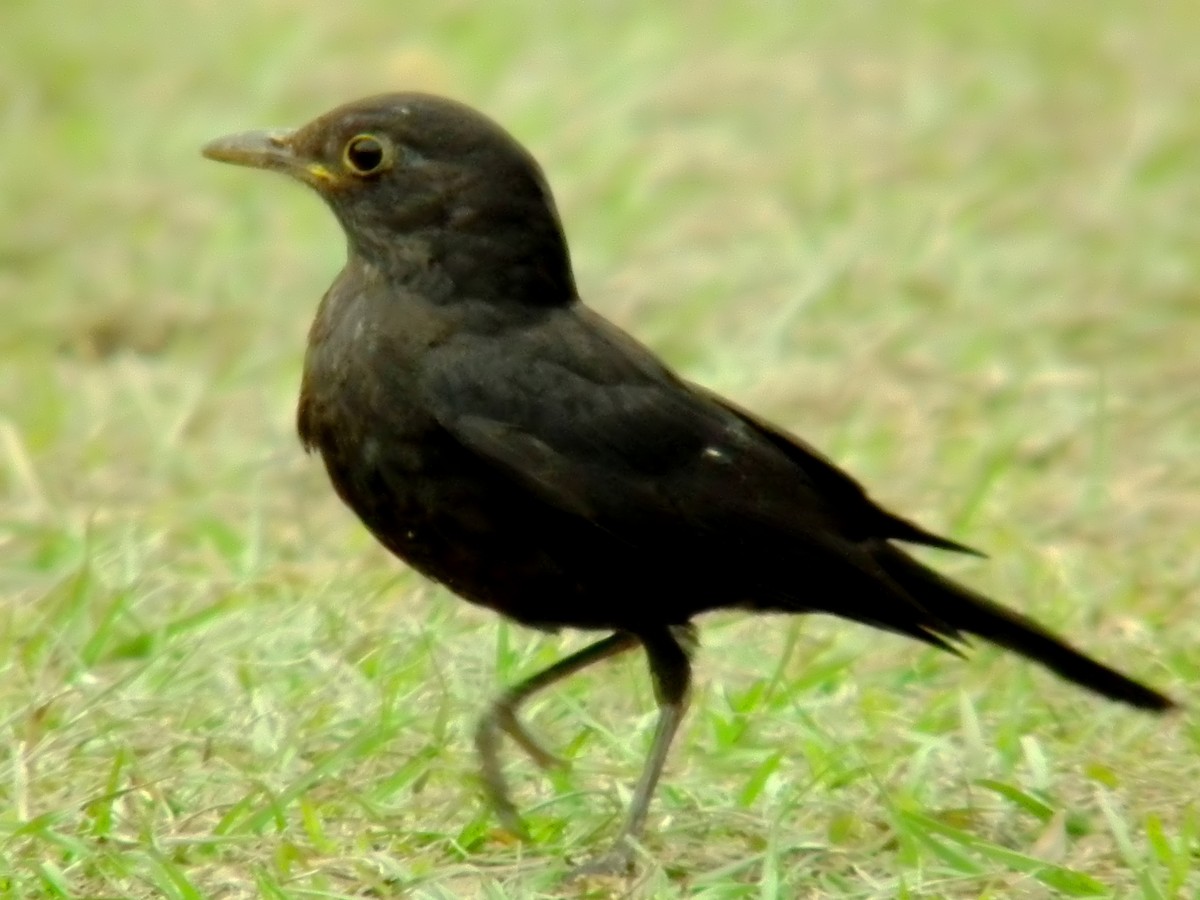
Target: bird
509 443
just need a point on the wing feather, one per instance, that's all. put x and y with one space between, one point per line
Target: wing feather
673 472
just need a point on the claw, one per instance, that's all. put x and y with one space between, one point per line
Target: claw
510 819
617 862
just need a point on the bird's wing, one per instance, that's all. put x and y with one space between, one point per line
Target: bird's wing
838 486
593 425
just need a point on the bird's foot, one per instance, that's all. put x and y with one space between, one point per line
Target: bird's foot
510 819
501 720
616 863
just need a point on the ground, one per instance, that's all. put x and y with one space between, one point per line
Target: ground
952 245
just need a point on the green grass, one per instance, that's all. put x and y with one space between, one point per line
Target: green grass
955 246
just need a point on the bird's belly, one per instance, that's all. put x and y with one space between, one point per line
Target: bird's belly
460 523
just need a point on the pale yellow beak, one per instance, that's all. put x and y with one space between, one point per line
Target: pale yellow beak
267 150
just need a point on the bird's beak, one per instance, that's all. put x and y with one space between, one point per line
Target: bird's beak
267 150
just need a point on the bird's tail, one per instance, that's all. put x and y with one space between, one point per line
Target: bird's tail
964 610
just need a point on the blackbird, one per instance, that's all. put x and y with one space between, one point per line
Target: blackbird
506 441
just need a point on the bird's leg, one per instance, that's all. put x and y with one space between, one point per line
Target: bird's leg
502 718
671 672
503 713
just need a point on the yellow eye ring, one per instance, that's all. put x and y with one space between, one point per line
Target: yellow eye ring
368 154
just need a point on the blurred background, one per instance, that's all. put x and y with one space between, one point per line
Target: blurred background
953 246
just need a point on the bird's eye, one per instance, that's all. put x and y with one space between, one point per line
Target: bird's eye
366 154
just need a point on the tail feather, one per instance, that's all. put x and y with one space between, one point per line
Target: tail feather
975 614
899 529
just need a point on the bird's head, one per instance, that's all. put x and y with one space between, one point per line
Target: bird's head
422 181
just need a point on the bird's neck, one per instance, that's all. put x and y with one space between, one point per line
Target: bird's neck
447 264
405 261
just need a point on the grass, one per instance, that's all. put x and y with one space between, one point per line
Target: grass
956 248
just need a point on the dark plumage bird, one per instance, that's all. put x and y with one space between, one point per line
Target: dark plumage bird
509 443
